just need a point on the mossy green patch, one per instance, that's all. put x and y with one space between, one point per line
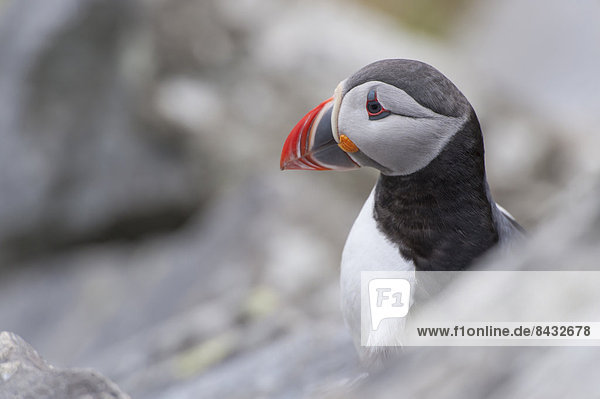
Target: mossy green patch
432 17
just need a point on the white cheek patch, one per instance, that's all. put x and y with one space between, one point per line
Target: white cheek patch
400 103
405 141
407 145
337 102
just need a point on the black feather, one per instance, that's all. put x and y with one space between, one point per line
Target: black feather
441 216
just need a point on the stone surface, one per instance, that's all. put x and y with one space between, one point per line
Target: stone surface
533 67
213 287
146 230
81 159
24 374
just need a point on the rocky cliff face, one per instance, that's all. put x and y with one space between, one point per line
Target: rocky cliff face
146 231
83 158
24 374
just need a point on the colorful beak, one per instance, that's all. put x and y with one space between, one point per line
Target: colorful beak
311 144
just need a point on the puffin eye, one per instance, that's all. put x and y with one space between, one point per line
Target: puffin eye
374 107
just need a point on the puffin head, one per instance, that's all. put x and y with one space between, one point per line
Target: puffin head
394 115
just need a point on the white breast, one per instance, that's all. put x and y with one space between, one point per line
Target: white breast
367 249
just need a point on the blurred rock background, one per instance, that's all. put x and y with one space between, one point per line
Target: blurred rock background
145 228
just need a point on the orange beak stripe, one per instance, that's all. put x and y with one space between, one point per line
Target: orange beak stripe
346 144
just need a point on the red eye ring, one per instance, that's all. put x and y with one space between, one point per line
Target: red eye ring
374 107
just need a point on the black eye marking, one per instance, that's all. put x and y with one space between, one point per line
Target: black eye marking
374 107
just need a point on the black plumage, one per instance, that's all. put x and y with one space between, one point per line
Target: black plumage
441 216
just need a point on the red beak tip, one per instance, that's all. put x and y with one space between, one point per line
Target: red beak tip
296 152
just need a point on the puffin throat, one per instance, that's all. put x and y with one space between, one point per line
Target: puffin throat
440 216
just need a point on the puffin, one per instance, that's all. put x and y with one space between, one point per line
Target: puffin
431 208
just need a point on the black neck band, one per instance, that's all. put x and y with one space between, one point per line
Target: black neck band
440 215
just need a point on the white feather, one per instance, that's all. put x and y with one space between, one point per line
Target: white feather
403 142
367 249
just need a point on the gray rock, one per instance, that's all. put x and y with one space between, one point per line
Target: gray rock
308 363
179 305
532 78
82 157
24 374
232 303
